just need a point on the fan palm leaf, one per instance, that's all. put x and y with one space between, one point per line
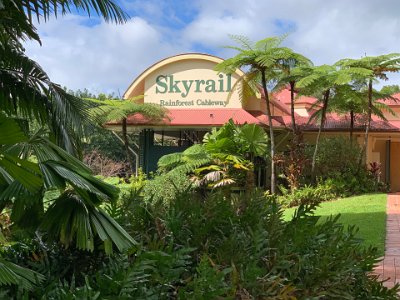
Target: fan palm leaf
12 274
74 219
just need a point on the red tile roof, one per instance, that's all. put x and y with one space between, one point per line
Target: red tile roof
281 100
392 102
277 121
284 97
197 117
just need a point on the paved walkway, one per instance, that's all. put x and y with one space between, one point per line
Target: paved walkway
389 267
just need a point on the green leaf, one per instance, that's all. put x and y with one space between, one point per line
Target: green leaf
72 218
12 274
10 131
25 172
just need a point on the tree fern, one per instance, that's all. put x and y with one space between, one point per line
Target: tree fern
378 67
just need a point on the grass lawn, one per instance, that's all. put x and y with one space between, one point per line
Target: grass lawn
367 212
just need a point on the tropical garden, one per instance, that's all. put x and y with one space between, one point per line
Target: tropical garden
199 228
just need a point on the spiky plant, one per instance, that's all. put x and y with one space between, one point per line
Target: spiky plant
31 164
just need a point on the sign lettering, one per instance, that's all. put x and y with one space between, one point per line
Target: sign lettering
167 84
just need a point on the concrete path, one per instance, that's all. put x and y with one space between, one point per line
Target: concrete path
389 267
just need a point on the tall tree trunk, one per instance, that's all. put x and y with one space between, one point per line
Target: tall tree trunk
271 132
292 85
126 145
364 153
250 177
351 126
321 126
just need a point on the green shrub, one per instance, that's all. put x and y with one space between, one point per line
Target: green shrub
308 195
266 257
205 248
208 282
338 165
164 187
349 184
336 156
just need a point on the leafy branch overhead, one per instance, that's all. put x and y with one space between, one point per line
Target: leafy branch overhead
33 163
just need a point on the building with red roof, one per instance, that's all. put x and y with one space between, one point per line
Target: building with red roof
198 98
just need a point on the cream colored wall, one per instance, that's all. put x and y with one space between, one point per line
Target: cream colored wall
301 110
192 70
254 103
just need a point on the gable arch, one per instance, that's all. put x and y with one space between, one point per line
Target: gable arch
189 80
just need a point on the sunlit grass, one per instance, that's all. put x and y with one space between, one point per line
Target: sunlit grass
367 212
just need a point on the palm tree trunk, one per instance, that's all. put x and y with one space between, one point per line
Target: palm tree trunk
126 146
250 177
292 84
351 126
368 126
321 125
271 132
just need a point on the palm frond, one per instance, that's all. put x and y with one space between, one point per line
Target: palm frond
12 274
243 41
71 219
26 90
10 131
107 9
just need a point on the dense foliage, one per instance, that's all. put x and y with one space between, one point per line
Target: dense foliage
61 223
337 168
224 159
209 248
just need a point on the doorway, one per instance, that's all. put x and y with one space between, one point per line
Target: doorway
395 166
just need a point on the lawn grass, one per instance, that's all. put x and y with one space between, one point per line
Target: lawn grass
367 212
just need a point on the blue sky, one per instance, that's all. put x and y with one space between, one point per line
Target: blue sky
79 53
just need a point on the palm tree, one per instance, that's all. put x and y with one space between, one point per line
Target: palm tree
324 82
27 96
117 110
265 60
351 99
25 88
292 72
348 100
379 66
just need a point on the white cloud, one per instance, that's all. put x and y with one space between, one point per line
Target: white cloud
107 57
103 57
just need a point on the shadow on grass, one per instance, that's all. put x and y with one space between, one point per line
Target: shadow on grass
371 226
